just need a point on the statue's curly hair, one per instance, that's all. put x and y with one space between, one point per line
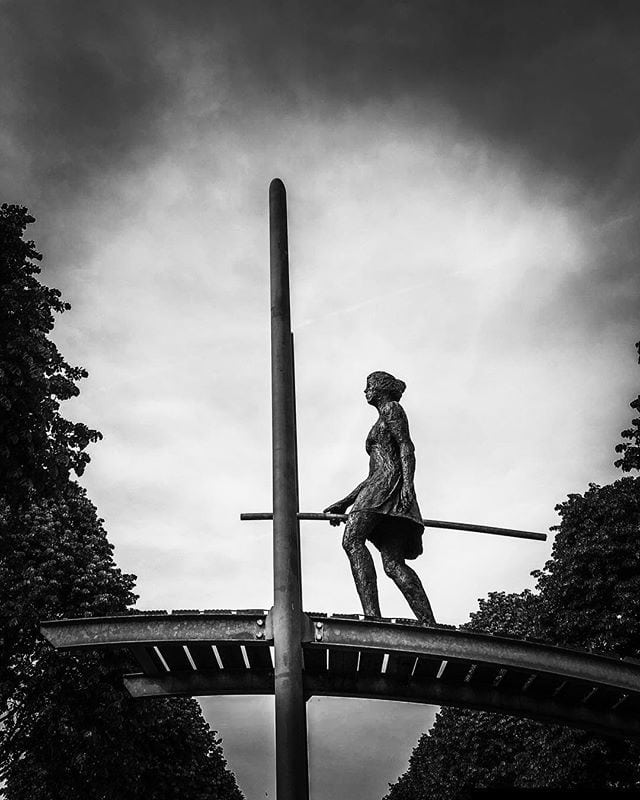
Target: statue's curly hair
386 381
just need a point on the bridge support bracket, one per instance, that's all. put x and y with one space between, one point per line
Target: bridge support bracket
309 632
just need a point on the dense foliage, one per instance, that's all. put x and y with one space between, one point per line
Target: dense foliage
588 597
630 448
38 447
67 728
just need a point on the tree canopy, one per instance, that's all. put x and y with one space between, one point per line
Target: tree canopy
587 596
630 448
67 728
39 448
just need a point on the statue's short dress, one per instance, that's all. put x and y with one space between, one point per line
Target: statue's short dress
380 492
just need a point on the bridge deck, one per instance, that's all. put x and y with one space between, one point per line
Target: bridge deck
229 652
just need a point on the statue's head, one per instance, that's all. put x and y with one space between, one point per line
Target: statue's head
381 384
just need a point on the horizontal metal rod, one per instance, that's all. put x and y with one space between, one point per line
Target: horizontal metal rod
429 523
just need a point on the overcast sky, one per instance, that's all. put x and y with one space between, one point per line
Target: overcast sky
463 182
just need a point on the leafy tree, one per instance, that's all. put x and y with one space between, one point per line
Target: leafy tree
588 597
590 588
466 750
470 749
38 447
631 448
67 728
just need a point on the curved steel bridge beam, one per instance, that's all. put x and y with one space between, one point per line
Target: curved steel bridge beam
156 628
477 648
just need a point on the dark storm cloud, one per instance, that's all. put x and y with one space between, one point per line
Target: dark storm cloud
82 93
85 90
558 81
89 88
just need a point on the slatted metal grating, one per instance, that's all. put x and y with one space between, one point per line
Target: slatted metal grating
230 652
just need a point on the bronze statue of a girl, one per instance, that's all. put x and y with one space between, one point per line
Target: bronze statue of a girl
384 508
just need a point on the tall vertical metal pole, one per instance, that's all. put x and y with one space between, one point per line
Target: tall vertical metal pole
292 773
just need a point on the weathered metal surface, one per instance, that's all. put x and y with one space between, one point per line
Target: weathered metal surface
473 528
477 648
152 629
349 656
200 684
202 654
428 523
461 695
384 508
148 659
292 781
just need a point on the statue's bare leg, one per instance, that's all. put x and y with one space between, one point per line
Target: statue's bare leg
407 581
359 524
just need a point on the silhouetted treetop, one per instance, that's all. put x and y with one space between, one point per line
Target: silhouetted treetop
39 448
630 449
